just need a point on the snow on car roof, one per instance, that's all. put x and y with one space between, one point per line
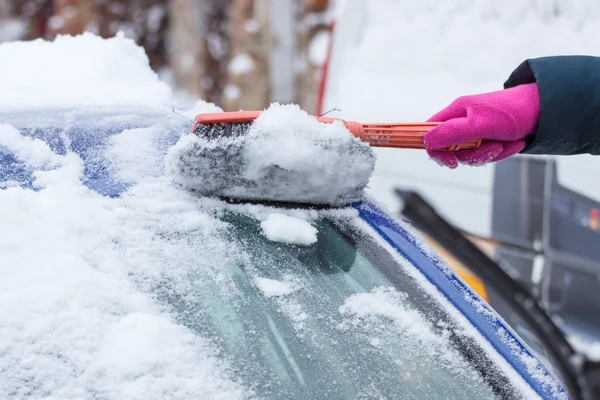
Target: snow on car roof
79 71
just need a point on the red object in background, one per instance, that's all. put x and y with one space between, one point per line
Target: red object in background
324 71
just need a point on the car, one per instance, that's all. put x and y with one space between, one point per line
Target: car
362 309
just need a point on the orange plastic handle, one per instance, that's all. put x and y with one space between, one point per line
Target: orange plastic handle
400 135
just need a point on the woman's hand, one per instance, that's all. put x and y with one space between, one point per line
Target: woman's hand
503 119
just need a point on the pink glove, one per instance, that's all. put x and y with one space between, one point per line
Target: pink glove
502 118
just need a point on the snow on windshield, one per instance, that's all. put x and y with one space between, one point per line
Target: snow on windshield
285 229
105 294
76 272
76 72
286 155
79 317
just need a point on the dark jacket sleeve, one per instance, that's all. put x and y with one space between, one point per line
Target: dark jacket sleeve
569 88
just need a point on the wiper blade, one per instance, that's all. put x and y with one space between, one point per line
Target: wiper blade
581 376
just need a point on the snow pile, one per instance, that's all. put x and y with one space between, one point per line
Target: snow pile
80 71
285 229
285 155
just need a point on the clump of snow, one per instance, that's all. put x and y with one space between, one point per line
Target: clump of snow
275 288
35 151
285 229
78 71
285 155
50 168
241 64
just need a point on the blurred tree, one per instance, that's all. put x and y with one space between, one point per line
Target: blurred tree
238 54
198 46
70 17
145 21
313 40
248 69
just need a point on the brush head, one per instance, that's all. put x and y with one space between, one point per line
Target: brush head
285 155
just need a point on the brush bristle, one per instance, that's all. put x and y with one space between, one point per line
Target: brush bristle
224 129
285 155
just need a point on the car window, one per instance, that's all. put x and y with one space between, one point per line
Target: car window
338 318
335 319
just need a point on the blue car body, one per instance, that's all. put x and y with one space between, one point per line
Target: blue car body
50 127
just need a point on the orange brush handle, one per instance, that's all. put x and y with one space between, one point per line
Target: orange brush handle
402 135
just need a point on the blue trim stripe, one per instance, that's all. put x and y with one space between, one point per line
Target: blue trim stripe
457 293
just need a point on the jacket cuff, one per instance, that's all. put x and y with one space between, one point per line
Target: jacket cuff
569 88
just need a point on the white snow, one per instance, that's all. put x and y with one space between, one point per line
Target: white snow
80 71
286 155
290 230
135 153
76 271
199 107
79 318
275 288
35 151
241 64
388 303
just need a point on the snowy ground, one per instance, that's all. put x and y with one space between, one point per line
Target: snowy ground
402 61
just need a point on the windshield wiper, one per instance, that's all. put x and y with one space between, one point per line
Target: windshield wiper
581 376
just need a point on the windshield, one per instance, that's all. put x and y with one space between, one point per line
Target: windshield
336 319
201 297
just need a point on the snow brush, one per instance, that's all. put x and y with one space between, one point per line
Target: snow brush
285 155
390 135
